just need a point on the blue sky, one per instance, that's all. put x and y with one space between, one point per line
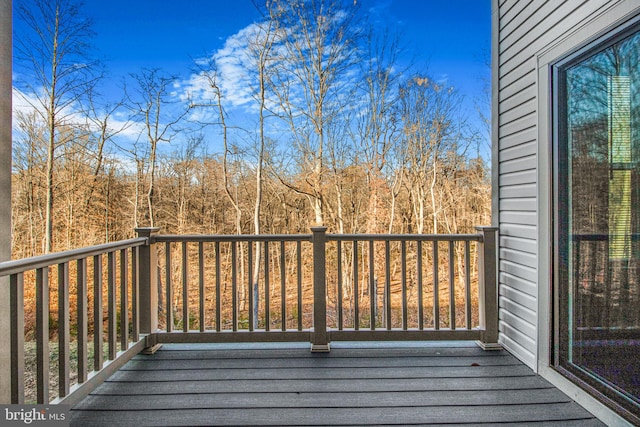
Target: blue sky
451 37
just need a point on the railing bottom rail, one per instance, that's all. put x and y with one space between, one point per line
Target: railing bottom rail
195 337
230 337
405 335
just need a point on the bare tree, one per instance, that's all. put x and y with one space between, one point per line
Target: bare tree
177 171
431 129
55 56
260 45
377 129
99 122
231 158
319 50
152 106
29 158
214 99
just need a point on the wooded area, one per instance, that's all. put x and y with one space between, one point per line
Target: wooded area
332 131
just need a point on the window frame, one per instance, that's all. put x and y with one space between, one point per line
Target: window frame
559 334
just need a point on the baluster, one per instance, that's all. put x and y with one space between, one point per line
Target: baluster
452 290
387 284
403 267
98 357
252 300
467 282
81 275
267 290
135 305
356 292
169 289
16 294
340 286
124 301
436 288
185 289
299 269
201 285
283 293
111 304
373 293
218 288
234 287
63 329
420 284
42 334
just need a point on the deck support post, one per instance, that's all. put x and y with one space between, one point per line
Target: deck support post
488 288
148 288
319 336
5 195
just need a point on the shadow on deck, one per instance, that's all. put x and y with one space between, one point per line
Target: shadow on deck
355 384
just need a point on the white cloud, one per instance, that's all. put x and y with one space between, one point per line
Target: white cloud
26 103
235 72
21 103
443 80
236 77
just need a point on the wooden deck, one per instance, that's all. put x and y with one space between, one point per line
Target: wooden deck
356 384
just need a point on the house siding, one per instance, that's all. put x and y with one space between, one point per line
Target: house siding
526 28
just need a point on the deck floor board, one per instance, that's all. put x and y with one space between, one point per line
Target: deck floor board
355 384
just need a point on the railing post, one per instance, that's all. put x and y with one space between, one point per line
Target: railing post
5 195
319 337
148 288
488 287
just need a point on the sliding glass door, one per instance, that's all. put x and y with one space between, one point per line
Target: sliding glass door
597 218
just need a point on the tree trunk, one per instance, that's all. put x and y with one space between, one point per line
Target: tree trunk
48 235
151 189
432 189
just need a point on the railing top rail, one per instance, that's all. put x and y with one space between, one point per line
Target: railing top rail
208 238
19 266
407 237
